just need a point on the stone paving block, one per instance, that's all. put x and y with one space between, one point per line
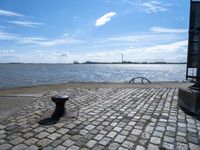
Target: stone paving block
57 142
48 148
159 128
2 131
91 143
139 147
155 140
32 147
54 136
65 137
75 137
89 127
44 142
104 132
63 131
98 137
31 141
59 125
5 146
170 128
28 135
19 147
122 148
98 147
158 134
42 135
2 136
118 129
181 124
60 148
136 132
114 124
128 144
181 139
119 138
2 141
94 131
170 133
70 125
153 147
105 141
51 129
128 128
142 142
83 132
194 146
112 134
38 129
145 135
68 143
132 123
124 132
113 146
132 138
168 145
181 133
2 127
149 129
17 141
181 146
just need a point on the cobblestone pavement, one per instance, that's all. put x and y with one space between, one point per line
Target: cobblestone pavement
126 118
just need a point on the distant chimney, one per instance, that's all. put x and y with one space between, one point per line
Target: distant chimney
122 58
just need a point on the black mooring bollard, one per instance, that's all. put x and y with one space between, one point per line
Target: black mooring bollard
60 105
59 111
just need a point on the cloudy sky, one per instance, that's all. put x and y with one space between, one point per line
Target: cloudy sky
63 31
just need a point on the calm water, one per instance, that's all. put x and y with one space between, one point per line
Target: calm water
18 75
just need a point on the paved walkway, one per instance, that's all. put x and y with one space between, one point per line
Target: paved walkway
109 118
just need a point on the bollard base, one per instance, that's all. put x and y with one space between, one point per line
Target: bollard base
189 101
49 121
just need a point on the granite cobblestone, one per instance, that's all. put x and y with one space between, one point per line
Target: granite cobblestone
108 118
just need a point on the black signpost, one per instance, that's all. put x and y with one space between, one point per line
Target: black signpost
189 99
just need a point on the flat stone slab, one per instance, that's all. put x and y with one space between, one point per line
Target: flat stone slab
108 118
9 105
37 95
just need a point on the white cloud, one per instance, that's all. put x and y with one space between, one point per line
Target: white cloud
6 51
167 30
137 40
172 47
167 52
105 18
153 7
37 40
7 36
47 42
148 6
26 23
10 13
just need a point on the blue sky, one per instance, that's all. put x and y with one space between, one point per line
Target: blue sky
63 31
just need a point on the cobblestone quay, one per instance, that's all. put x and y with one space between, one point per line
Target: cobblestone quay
108 118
